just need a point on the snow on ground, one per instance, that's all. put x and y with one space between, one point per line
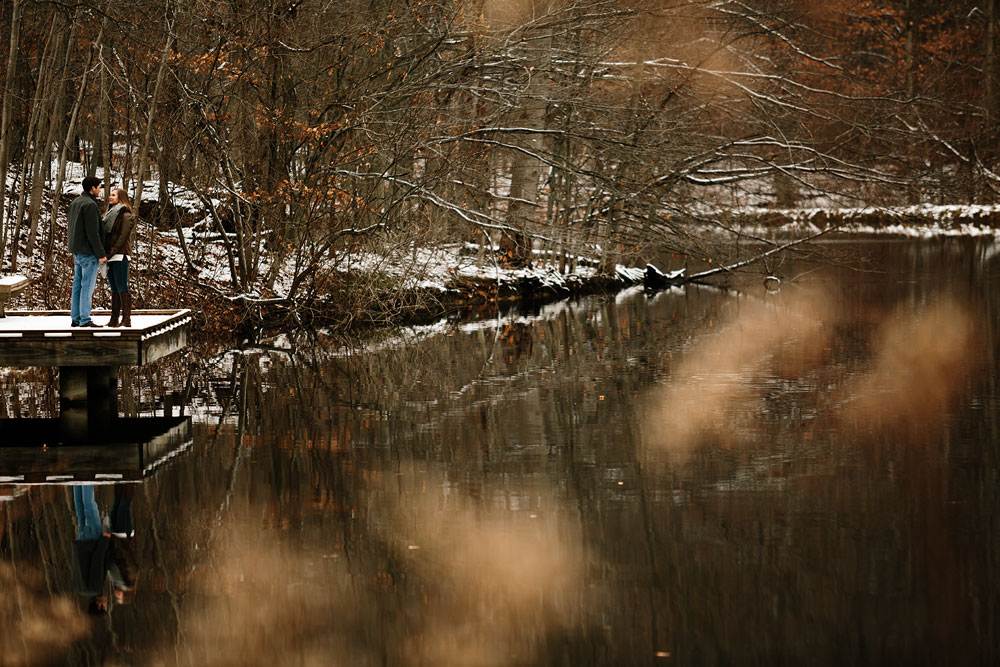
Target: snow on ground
928 232
180 196
917 221
800 229
931 212
443 267
14 324
209 257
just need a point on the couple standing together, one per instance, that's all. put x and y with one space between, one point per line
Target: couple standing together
94 241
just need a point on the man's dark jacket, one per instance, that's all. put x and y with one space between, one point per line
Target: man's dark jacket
86 233
91 560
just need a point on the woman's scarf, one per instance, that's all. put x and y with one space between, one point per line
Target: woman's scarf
109 218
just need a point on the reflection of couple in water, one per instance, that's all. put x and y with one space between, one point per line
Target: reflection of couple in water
103 551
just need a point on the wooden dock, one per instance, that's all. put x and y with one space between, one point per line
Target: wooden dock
45 338
10 288
88 358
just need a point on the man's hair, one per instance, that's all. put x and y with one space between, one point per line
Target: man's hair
90 182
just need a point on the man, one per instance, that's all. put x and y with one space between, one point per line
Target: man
86 242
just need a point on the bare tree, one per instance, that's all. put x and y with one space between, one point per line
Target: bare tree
5 117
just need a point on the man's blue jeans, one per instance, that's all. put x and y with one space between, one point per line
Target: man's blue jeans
84 279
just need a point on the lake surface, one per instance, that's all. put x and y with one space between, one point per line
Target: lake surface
689 478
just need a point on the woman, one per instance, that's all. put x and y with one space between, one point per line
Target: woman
119 224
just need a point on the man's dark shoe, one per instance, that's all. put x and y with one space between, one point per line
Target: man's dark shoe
74 324
92 324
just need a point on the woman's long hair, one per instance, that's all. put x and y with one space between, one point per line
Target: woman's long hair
123 199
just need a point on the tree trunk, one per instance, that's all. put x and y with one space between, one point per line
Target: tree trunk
38 132
147 137
525 174
70 129
5 117
908 46
103 122
57 112
610 246
991 79
527 167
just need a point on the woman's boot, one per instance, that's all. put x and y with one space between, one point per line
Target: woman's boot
116 304
126 309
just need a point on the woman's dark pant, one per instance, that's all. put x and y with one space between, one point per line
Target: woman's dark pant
121 511
118 275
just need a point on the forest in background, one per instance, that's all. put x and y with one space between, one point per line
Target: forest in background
310 130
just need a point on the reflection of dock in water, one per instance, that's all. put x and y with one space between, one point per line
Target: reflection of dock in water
134 450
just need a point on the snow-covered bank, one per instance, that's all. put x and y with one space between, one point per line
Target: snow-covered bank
918 221
460 266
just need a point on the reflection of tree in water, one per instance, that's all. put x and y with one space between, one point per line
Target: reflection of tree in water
386 507
29 392
517 341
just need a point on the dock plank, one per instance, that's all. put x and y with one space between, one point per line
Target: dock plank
45 338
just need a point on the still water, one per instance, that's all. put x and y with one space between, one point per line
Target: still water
690 478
